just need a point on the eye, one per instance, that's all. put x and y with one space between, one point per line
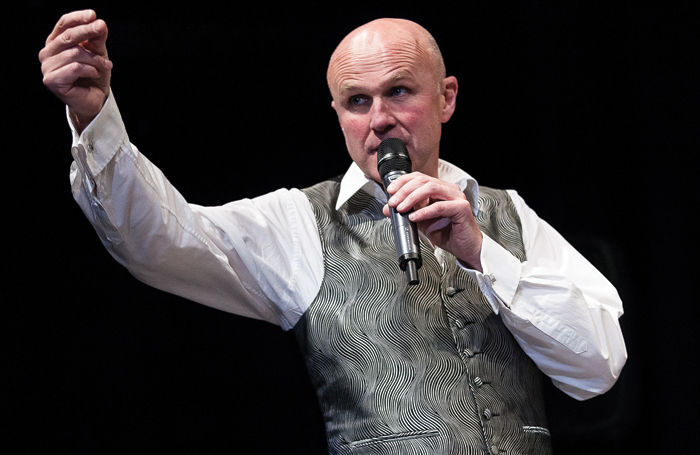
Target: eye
358 100
398 91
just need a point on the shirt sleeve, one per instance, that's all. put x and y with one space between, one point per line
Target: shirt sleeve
259 258
561 310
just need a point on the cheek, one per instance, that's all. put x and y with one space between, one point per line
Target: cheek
422 127
354 130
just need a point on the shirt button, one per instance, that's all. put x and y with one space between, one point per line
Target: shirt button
478 382
487 414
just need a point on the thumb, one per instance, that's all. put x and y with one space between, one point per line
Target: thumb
386 210
98 44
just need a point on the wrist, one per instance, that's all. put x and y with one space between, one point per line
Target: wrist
90 109
80 122
472 259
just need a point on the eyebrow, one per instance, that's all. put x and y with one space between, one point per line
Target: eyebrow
351 87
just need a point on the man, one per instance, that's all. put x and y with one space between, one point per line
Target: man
450 366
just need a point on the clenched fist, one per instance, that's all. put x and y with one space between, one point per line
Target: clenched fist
75 65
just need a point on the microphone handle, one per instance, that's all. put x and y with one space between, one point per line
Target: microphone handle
405 236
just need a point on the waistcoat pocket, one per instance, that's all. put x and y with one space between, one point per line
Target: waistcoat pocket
394 437
536 430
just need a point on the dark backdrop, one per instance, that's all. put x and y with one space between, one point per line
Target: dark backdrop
588 109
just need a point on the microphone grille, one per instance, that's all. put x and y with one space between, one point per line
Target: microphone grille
392 155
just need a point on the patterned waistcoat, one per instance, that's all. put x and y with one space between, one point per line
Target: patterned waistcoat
426 369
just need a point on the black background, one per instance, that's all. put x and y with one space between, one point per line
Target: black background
588 109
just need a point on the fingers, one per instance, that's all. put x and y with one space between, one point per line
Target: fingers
442 212
70 20
454 210
75 64
63 70
75 49
76 54
417 190
63 79
74 29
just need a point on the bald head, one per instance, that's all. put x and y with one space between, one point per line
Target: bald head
380 37
388 80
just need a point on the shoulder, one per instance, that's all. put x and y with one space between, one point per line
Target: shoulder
491 199
325 193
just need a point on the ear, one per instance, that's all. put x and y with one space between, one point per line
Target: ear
450 97
333 105
337 114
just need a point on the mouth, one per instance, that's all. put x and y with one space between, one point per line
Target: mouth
373 150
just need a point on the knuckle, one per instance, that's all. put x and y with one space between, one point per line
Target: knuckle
439 206
51 83
433 186
73 68
67 36
73 52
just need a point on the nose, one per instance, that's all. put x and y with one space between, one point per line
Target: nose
381 118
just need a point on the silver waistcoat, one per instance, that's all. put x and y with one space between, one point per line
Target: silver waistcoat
426 369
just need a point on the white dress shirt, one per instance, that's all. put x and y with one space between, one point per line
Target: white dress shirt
262 257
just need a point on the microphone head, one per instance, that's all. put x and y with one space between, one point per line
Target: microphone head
392 155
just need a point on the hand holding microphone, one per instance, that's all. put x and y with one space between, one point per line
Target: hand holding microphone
439 209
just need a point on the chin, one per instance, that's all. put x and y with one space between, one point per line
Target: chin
373 176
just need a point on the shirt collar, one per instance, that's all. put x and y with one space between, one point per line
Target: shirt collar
354 180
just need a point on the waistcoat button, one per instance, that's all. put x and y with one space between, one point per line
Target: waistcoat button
451 292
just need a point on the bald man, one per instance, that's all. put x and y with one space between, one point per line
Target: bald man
453 365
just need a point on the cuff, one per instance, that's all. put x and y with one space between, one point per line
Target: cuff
102 138
501 271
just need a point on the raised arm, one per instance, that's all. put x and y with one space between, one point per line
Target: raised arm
248 257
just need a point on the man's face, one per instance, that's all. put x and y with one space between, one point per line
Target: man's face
384 89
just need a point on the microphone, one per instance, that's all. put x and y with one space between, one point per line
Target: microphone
393 161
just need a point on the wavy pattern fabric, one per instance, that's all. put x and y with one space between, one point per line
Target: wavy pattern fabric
426 369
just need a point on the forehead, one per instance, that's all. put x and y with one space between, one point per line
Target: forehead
376 59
